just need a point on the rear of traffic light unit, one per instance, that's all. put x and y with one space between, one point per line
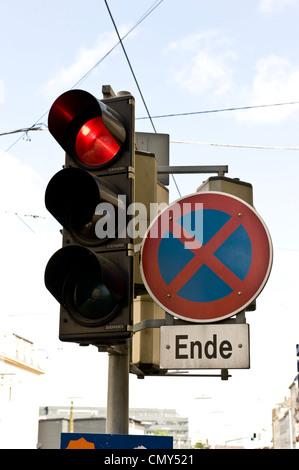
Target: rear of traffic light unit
145 352
235 187
91 276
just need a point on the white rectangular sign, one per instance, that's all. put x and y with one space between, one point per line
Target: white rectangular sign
205 346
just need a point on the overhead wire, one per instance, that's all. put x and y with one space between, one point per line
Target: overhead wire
221 110
130 65
270 147
28 226
136 81
213 144
149 116
25 131
86 75
142 18
263 147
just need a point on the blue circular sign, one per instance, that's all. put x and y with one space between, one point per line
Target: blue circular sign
206 257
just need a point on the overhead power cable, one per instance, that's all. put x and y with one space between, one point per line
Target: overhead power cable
221 110
136 82
34 128
142 18
25 130
129 63
263 147
86 75
213 144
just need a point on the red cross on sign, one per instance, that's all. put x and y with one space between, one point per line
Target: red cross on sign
206 257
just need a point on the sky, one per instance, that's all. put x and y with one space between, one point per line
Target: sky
194 59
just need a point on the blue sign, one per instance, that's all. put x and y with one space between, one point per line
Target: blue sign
114 441
206 257
205 285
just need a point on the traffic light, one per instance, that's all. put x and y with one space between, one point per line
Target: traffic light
91 276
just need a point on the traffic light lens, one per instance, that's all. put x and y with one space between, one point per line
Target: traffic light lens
95 145
90 301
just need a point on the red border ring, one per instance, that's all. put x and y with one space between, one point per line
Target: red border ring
243 294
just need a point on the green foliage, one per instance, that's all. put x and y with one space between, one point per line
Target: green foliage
201 445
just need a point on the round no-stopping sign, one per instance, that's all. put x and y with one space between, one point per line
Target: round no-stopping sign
206 257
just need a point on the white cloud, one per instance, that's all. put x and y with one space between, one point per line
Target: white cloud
25 242
2 92
275 81
20 186
209 68
269 6
206 40
206 73
85 60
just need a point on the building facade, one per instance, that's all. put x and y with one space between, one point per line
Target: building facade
163 422
285 421
166 422
19 410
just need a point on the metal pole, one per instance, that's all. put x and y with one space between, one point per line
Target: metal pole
220 169
118 391
71 421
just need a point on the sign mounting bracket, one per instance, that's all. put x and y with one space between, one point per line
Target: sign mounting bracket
169 320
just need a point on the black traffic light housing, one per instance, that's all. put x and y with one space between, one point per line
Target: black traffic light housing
91 276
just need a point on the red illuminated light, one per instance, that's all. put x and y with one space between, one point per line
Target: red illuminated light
95 145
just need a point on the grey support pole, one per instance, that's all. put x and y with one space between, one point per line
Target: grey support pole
118 391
